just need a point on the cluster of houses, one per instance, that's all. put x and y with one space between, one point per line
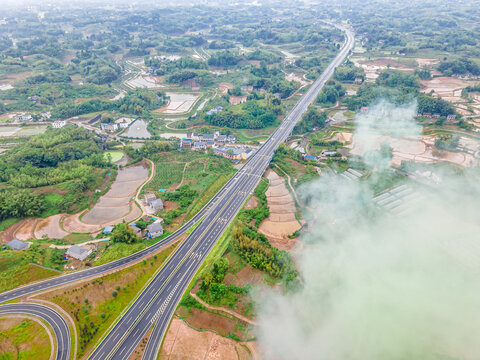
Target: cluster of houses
58 124
233 153
152 231
203 141
29 117
452 117
152 204
121 123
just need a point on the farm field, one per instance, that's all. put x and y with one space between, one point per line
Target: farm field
115 155
116 204
179 103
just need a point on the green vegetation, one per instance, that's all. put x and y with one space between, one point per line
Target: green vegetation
16 203
183 196
460 66
113 156
254 114
331 93
447 142
291 162
214 292
28 339
94 305
399 88
135 102
118 251
255 249
69 159
312 119
204 175
261 211
123 233
349 73
17 270
208 194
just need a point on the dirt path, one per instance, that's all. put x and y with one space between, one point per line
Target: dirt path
137 195
183 175
291 187
228 311
52 246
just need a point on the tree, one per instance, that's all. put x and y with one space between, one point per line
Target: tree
123 233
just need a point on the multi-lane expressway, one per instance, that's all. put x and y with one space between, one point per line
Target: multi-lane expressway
54 319
156 304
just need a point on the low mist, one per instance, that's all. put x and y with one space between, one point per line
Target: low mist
379 286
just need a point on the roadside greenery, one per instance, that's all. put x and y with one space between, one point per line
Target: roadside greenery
313 118
255 249
261 211
123 233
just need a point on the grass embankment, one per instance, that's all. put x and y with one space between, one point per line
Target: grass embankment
94 305
23 339
208 194
118 251
15 272
18 268
7 223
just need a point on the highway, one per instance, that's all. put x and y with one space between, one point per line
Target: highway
54 319
156 304
102 269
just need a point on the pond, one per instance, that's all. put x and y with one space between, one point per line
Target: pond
137 130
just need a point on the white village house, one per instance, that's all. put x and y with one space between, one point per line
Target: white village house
58 124
78 252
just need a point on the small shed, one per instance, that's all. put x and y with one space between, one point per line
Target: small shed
18 245
78 252
156 204
155 230
108 230
136 230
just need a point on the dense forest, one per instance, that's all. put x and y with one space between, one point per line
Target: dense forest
70 159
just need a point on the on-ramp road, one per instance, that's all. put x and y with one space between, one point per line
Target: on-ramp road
156 304
54 319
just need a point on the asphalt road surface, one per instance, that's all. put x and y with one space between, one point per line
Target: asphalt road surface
156 304
54 319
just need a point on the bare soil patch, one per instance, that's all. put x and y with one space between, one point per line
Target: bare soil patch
26 231
299 168
225 86
50 228
419 149
251 203
343 137
448 88
183 342
247 275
